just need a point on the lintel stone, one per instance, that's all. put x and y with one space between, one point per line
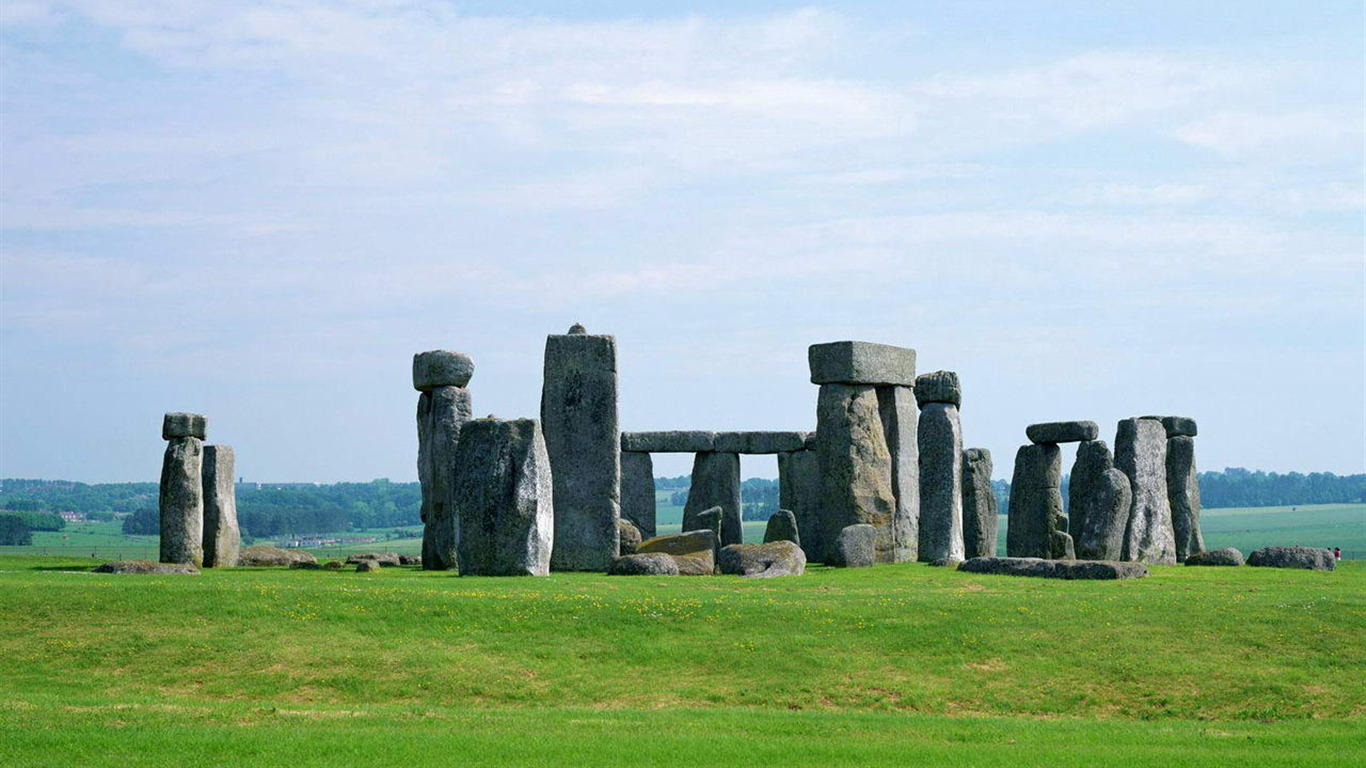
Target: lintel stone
759 442
1062 432
677 441
861 362
441 368
174 425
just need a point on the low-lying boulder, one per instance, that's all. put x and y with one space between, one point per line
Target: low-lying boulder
855 547
628 538
782 526
645 564
410 560
1309 558
1055 569
775 558
385 559
367 566
945 562
1225 556
334 565
146 566
693 551
263 555
304 565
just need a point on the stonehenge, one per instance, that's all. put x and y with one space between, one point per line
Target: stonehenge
443 407
582 436
940 436
181 496
504 500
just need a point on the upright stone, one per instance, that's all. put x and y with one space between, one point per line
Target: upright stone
222 538
1098 503
579 417
442 410
182 490
941 483
855 467
1141 454
782 526
638 491
980 508
1183 495
896 405
732 528
799 487
1035 511
715 483
504 499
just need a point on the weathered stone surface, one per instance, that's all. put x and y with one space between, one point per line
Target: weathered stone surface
896 406
629 537
1060 546
579 419
758 442
644 564
980 508
304 566
1225 556
182 502
676 441
941 483
777 558
504 500
333 565
263 555
732 527
715 483
810 441
1183 496
1062 431
441 368
1179 426
174 425
855 467
1309 558
638 491
693 551
855 547
1054 569
222 537
410 560
711 520
1099 499
367 566
146 566
799 488
1035 509
385 559
782 526
441 413
1141 454
861 362
938 387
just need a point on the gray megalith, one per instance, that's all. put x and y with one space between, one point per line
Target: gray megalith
1141 454
941 483
181 497
504 499
782 526
638 491
1183 496
980 508
855 547
1062 432
938 387
715 483
861 362
441 413
855 467
222 537
799 487
1035 510
896 405
1098 503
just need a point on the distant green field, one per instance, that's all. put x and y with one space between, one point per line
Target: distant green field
894 665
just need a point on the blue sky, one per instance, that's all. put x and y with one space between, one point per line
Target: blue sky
260 210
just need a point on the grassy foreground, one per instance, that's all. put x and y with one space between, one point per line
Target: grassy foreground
891 665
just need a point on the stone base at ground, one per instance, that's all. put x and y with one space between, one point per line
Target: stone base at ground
1310 558
854 547
693 551
1225 556
262 555
1054 569
629 538
146 566
386 559
776 558
645 564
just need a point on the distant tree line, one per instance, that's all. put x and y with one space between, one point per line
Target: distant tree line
14 531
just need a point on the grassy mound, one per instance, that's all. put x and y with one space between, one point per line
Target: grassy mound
884 665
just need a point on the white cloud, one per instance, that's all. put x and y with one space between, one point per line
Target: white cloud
1295 137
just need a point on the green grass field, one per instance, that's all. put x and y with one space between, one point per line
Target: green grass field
893 665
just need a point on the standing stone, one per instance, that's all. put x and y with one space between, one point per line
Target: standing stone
855 467
897 407
442 413
628 538
980 508
222 538
182 489
799 488
715 483
782 526
1035 511
579 418
638 491
1141 454
1098 502
732 528
855 547
941 483
1183 495
504 499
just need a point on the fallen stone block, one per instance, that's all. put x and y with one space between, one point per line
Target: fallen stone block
693 551
777 558
1225 556
1054 569
146 567
1309 558
644 564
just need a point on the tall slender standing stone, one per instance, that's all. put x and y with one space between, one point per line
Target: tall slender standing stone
1098 502
980 508
1141 454
940 435
799 487
222 538
1035 512
442 410
504 498
715 483
855 467
582 435
896 405
182 489
1183 494
638 491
